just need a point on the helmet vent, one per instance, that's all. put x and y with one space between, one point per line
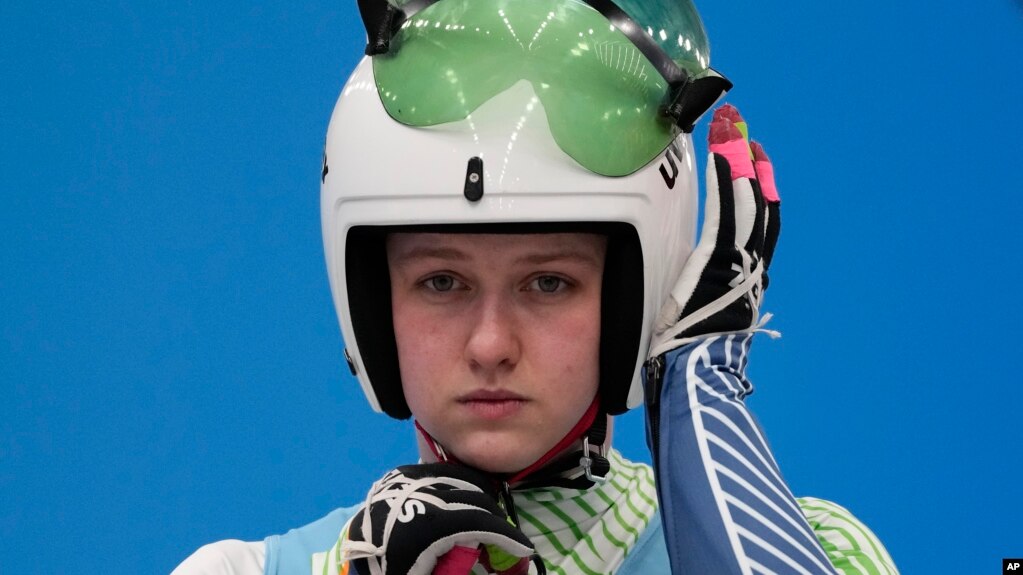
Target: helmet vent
474 179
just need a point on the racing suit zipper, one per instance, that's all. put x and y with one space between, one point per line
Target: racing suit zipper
652 390
513 514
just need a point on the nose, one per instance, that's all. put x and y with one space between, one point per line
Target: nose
493 345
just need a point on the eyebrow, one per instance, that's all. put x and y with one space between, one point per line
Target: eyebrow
567 254
422 252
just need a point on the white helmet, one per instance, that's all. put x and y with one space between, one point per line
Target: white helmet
498 168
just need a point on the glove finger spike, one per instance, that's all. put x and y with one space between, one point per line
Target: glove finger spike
723 131
731 114
728 112
759 155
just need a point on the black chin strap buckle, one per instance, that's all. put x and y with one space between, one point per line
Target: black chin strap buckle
587 462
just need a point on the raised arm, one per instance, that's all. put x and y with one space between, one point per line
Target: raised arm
725 506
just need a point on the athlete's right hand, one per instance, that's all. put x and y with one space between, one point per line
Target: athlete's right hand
431 518
721 284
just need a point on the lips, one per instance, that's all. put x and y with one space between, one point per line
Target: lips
492 404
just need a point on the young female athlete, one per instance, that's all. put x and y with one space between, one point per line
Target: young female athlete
509 209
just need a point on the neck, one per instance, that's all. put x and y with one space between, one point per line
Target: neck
427 455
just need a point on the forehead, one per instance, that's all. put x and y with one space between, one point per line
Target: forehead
585 247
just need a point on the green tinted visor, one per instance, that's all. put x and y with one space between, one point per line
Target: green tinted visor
615 90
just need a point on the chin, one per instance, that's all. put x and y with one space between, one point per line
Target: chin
506 458
492 462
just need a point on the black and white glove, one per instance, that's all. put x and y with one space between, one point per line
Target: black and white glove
722 282
441 516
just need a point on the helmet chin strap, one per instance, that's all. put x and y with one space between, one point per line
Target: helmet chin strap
562 466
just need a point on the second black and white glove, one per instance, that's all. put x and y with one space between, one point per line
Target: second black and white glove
431 518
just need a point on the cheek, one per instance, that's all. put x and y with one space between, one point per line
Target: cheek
420 342
570 347
430 344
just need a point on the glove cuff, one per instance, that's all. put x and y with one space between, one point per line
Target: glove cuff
667 339
662 346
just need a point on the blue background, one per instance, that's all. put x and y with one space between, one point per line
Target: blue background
170 361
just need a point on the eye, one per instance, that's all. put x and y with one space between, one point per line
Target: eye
548 284
441 283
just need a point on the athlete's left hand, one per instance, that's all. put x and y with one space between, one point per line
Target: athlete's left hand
722 282
433 518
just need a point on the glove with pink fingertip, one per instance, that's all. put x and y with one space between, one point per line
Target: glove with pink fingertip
721 284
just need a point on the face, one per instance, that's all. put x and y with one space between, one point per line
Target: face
498 338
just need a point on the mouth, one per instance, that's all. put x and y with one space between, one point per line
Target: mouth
492 404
